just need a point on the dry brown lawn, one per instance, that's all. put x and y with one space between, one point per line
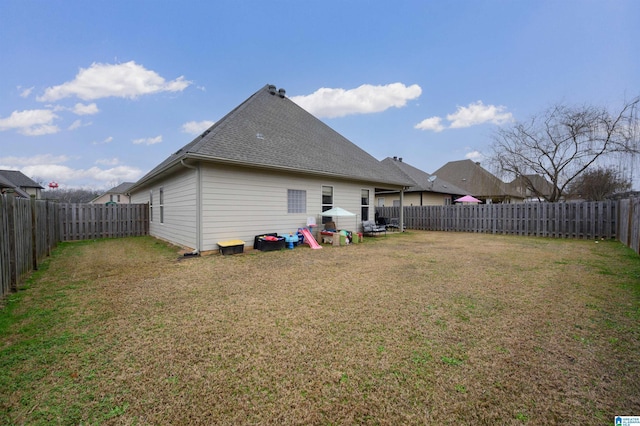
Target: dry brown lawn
414 328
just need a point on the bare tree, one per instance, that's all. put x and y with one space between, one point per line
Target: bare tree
598 183
70 195
563 142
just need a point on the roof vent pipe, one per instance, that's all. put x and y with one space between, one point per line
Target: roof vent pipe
272 89
400 159
395 158
281 92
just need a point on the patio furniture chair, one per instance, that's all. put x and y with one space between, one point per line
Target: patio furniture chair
394 223
370 228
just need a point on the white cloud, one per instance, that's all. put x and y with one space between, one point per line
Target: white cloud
17 162
108 161
25 92
128 80
474 155
78 123
148 141
330 103
82 109
32 122
196 127
48 167
94 176
433 123
105 141
474 114
478 113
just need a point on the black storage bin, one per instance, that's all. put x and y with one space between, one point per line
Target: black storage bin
264 245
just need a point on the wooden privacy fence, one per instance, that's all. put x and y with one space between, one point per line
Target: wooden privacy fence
629 226
91 221
29 229
28 233
590 220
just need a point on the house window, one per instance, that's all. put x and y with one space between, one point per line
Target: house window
364 204
161 201
327 202
296 201
447 201
118 197
381 202
111 197
151 206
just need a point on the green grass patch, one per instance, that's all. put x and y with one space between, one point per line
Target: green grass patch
415 328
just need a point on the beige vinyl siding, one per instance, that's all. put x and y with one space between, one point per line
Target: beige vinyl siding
413 199
179 225
239 203
124 199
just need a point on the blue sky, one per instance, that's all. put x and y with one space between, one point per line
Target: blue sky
95 93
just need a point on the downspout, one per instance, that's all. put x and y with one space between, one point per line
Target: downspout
198 248
402 209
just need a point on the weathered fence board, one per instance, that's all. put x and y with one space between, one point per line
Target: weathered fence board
5 251
29 229
586 220
629 223
91 221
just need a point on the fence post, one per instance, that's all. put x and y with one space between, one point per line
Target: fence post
47 228
13 264
630 224
34 233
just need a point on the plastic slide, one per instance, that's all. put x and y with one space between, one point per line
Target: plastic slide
308 239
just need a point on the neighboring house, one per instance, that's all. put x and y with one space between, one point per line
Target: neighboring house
425 190
21 185
478 182
532 187
267 166
118 195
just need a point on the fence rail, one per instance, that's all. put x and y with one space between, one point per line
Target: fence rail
90 221
30 228
618 219
629 223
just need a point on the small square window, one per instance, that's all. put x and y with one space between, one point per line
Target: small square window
296 201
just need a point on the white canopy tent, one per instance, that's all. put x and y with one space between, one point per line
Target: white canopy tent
340 212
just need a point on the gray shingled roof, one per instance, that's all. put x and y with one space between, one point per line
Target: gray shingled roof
16 180
474 179
120 189
421 179
270 131
542 185
6 183
19 179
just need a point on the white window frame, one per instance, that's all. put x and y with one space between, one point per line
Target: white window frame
161 203
296 201
366 205
324 205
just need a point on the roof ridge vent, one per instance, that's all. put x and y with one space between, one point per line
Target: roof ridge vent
272 89
281 92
